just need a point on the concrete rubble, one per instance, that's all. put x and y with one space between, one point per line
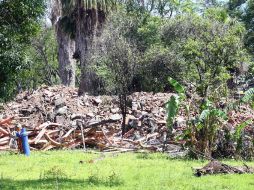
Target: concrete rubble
56 117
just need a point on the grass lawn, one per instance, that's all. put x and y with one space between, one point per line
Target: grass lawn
72 170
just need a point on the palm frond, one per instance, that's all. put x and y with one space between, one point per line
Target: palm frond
68 6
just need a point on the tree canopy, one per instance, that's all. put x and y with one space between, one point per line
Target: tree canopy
202 43
19 21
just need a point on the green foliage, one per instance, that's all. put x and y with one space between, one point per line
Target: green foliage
202 132
69 6
176 86
19 21
39 65
148 31
240 128
115 57
244 11
205 114
54 173
116 63
111 180
209 48
173 104
248 95
247 18
172 108
219 14
158 62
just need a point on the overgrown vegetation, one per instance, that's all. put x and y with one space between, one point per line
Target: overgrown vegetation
198 49
19 22
207 133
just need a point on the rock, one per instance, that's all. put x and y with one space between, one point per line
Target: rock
60 119
133 123
62 111
59 103
180 122
26 111
162 122
73 124
90 114
136 135
97 100
142 104
144 113
114 110
115 117
80 103
48 93
134 106
77 116
137 114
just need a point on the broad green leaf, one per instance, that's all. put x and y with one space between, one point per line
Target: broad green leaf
214 112
172 107
248 95
204 114
240 127
219 113
176 85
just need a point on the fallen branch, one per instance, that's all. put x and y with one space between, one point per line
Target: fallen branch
4 131
57 144
216 167
6 121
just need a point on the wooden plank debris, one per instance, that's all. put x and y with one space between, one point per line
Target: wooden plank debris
57 118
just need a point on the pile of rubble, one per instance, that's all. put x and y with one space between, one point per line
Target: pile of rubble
56 117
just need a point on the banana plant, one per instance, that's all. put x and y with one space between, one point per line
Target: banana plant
248 97
207 126
172 106
205 114
240 128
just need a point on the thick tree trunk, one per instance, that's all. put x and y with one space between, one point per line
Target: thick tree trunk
89 24
67 65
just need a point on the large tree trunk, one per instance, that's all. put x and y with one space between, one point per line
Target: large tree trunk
66 48
89 24
66 45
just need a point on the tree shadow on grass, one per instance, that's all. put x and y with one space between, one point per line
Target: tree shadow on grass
11 184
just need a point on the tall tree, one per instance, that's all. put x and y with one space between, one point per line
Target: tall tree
66 42
19 21
248 18
82 20
115 59
90 17
211 47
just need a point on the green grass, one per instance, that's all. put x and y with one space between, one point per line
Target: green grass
63 170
